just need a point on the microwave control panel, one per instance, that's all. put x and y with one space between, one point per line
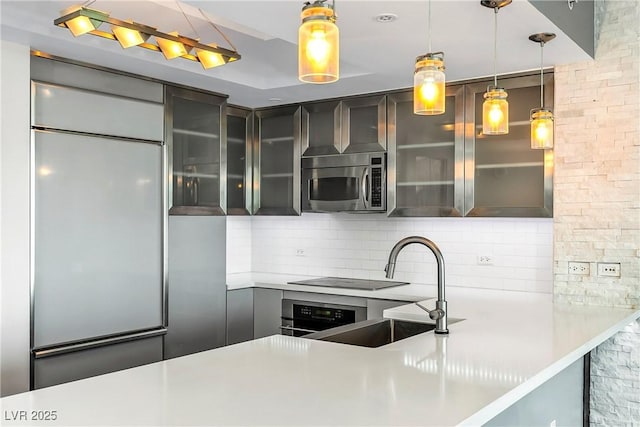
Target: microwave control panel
376 181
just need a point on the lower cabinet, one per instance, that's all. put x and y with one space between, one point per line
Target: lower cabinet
239 315
558 401
267 308
48 371
256 312
253 313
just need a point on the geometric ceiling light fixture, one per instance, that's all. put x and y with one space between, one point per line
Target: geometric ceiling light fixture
318 43
429 81
83 20
541 118
495 109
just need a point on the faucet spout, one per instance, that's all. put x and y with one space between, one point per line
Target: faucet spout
440 313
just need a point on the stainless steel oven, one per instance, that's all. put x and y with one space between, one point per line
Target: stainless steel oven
344 183
304 317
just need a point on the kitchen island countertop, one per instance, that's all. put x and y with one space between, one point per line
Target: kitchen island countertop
508 344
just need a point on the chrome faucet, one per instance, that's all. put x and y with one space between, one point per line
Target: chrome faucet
440 313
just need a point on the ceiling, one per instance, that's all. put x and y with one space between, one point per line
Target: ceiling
374 56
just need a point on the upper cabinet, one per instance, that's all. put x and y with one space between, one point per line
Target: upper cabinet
322 135
504 176
276 173
426 157
239 161
364 124
196 140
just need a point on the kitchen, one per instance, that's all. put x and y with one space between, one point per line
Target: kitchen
590 181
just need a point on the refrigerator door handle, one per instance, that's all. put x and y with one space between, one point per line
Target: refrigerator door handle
56 350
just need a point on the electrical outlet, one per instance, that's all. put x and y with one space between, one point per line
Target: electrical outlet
579 268
609 269
485 260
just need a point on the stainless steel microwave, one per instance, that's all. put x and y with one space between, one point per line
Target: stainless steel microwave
345 183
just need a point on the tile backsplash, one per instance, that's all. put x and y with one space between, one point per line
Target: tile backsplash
520 250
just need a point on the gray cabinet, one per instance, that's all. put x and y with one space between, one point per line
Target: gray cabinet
324 132
239 160
364 124
239 315
253 313
196 140
197 289
276 173
267 309
503 175
425 156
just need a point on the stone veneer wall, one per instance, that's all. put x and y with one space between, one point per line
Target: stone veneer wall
597 198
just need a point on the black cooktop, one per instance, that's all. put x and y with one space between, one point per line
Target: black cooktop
342 282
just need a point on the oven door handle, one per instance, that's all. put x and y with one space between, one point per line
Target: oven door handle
291 328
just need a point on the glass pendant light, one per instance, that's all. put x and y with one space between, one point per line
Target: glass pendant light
429 81
318 43
541 118
495 109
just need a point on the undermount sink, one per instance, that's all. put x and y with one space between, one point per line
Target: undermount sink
372 333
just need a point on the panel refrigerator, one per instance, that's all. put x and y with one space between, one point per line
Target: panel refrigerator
97 256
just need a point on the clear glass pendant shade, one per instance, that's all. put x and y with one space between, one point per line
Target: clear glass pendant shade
429 84
318 45
541 129
495 112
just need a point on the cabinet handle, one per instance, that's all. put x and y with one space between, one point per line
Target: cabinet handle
196 184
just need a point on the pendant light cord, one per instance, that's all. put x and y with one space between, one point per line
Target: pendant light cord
541 75
429 32
215 27
495 47
190 24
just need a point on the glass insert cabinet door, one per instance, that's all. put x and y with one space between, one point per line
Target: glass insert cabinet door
239 160
426 157
364 124
323 134
196 139
276 174
504 176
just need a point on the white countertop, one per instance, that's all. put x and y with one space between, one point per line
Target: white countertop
509 344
